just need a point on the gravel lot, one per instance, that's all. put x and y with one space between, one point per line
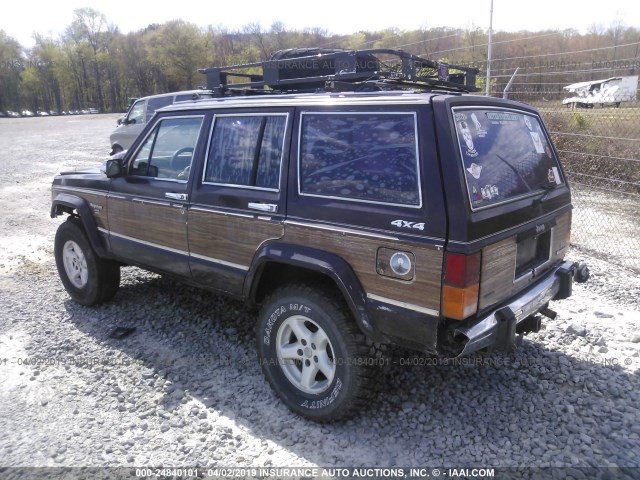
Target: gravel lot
185 388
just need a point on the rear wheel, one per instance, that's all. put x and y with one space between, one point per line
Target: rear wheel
313 354
86 277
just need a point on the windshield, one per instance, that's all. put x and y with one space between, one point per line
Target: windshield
136 112
505 153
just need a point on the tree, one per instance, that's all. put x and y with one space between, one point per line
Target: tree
88 30
11 63
180 49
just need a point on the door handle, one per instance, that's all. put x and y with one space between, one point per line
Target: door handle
177 196
264 207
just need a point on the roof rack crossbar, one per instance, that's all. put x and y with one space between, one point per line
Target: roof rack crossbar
289 71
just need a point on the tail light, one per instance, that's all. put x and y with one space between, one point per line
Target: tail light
461 285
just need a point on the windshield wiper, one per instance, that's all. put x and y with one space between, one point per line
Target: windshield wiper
515 170
548 189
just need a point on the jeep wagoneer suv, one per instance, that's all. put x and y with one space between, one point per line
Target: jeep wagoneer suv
351 204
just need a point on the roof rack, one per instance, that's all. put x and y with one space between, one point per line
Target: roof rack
315 69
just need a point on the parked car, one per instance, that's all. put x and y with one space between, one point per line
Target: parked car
390 208
131 124
93 110
42 113
12 114
27 113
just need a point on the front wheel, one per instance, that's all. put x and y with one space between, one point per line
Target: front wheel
313 354
87 278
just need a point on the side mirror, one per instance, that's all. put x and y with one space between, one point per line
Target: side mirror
120 121
113 168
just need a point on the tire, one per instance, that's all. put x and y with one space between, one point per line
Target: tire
313 354
87 278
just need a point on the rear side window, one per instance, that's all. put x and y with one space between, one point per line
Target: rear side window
369 157
506 155
246 150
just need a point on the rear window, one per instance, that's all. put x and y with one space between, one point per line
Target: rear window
506 155
369 157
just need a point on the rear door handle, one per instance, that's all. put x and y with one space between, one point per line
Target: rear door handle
264 207
177 196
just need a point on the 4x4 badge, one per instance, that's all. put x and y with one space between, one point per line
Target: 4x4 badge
406 224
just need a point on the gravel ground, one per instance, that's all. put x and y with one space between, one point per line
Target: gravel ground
184 389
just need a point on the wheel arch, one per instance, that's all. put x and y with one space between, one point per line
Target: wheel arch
78 207
116 148
278 264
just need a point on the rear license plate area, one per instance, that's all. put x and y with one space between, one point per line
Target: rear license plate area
532 251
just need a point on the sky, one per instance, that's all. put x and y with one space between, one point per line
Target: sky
20 19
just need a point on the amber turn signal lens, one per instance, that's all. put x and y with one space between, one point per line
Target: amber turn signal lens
461 285
460 303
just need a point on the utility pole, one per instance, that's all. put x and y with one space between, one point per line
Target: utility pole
488 86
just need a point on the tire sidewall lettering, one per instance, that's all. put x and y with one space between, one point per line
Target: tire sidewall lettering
278 314
326 401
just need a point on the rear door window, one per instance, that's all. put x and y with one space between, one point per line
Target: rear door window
506 155
371 157
246 151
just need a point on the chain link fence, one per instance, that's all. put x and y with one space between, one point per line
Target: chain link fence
597 134
600 151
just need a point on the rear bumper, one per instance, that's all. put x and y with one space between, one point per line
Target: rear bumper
498 329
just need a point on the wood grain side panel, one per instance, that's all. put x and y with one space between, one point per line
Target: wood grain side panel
230 238
561 237
159 224
360 252
497 272
497 282
98 206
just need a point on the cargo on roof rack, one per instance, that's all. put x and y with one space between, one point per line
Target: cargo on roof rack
313 69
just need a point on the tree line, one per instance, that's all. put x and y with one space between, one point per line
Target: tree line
93 64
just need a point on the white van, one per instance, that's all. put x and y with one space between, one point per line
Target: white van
141 111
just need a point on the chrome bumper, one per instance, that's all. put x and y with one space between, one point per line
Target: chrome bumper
498 328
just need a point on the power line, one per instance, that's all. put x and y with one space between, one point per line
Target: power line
635 184
496 43
538 83
565 72
578 64
566 53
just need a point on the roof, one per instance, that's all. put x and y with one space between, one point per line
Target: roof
310 99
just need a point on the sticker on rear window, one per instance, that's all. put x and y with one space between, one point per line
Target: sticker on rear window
506 154
537 143
463 128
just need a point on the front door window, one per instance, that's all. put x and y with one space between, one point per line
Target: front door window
168 150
